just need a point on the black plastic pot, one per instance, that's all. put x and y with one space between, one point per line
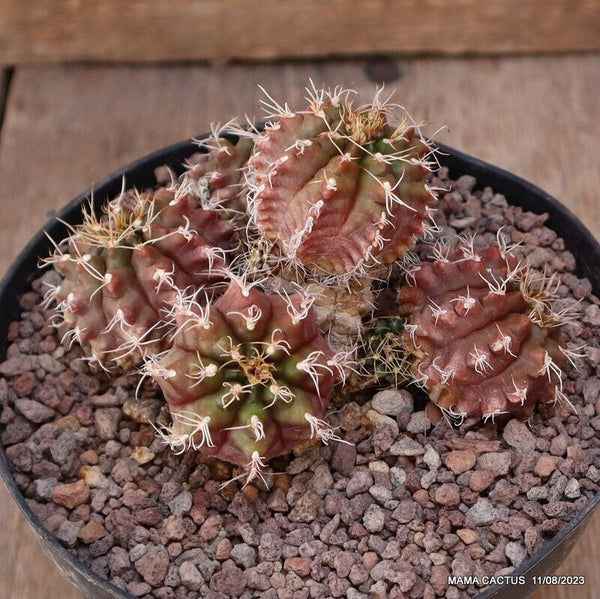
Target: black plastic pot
141 175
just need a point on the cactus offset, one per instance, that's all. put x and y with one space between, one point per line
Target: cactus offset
481 332
216 176
122 269
248 377
338 189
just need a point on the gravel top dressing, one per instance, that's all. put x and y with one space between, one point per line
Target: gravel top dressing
405 502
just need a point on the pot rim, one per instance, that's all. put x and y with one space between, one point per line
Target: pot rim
455 160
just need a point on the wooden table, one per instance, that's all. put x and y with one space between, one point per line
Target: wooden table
66 127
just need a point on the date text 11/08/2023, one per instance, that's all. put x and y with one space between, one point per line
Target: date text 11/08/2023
483 581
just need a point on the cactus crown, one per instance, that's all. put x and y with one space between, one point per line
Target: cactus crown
122 269
482 333
334 189
248 375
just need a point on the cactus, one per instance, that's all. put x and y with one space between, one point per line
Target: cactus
481 332
248 377
336 188
216 176
122 269
383 358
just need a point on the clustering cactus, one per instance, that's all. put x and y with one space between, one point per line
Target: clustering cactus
248 377
336 188
483 338
122 269
321 203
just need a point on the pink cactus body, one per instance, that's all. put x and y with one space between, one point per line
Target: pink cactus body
122 270
217 176
248 377
484 342
338 189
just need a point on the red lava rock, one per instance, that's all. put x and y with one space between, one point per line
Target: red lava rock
25 384
89 457
92 531
481 480
447 494
460 461
153 566
467 535
298 565
545 465
223 550
71 495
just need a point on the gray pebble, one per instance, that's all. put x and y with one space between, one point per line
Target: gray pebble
33 410
392 402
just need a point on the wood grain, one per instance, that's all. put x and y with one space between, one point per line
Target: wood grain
163 30
67 127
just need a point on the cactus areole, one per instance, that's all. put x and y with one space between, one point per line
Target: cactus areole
482 333
336 187
248 377
123 269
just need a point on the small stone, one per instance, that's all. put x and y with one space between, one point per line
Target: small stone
34 411
243 555
468 535
496 462
349 416
190 577
43 487
517 435
480 480
573 489
374 519
138 589
359 483
107 421
298 565
591 390
141 410
24 385
397 477
306 508
68 531
153 566
432 458
229 580
343 459
483 512
142 455
92 531
223 550
277 501
407 447
181 504
419 423
558 445
63 446
322 480
118 561
71 495
392 402
460 461
516 553
537 493
447 494
593 474
211 527
19 457
545 465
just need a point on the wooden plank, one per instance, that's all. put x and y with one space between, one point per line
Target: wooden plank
163 30
67 127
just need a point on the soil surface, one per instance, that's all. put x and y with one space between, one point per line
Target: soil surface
407 503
